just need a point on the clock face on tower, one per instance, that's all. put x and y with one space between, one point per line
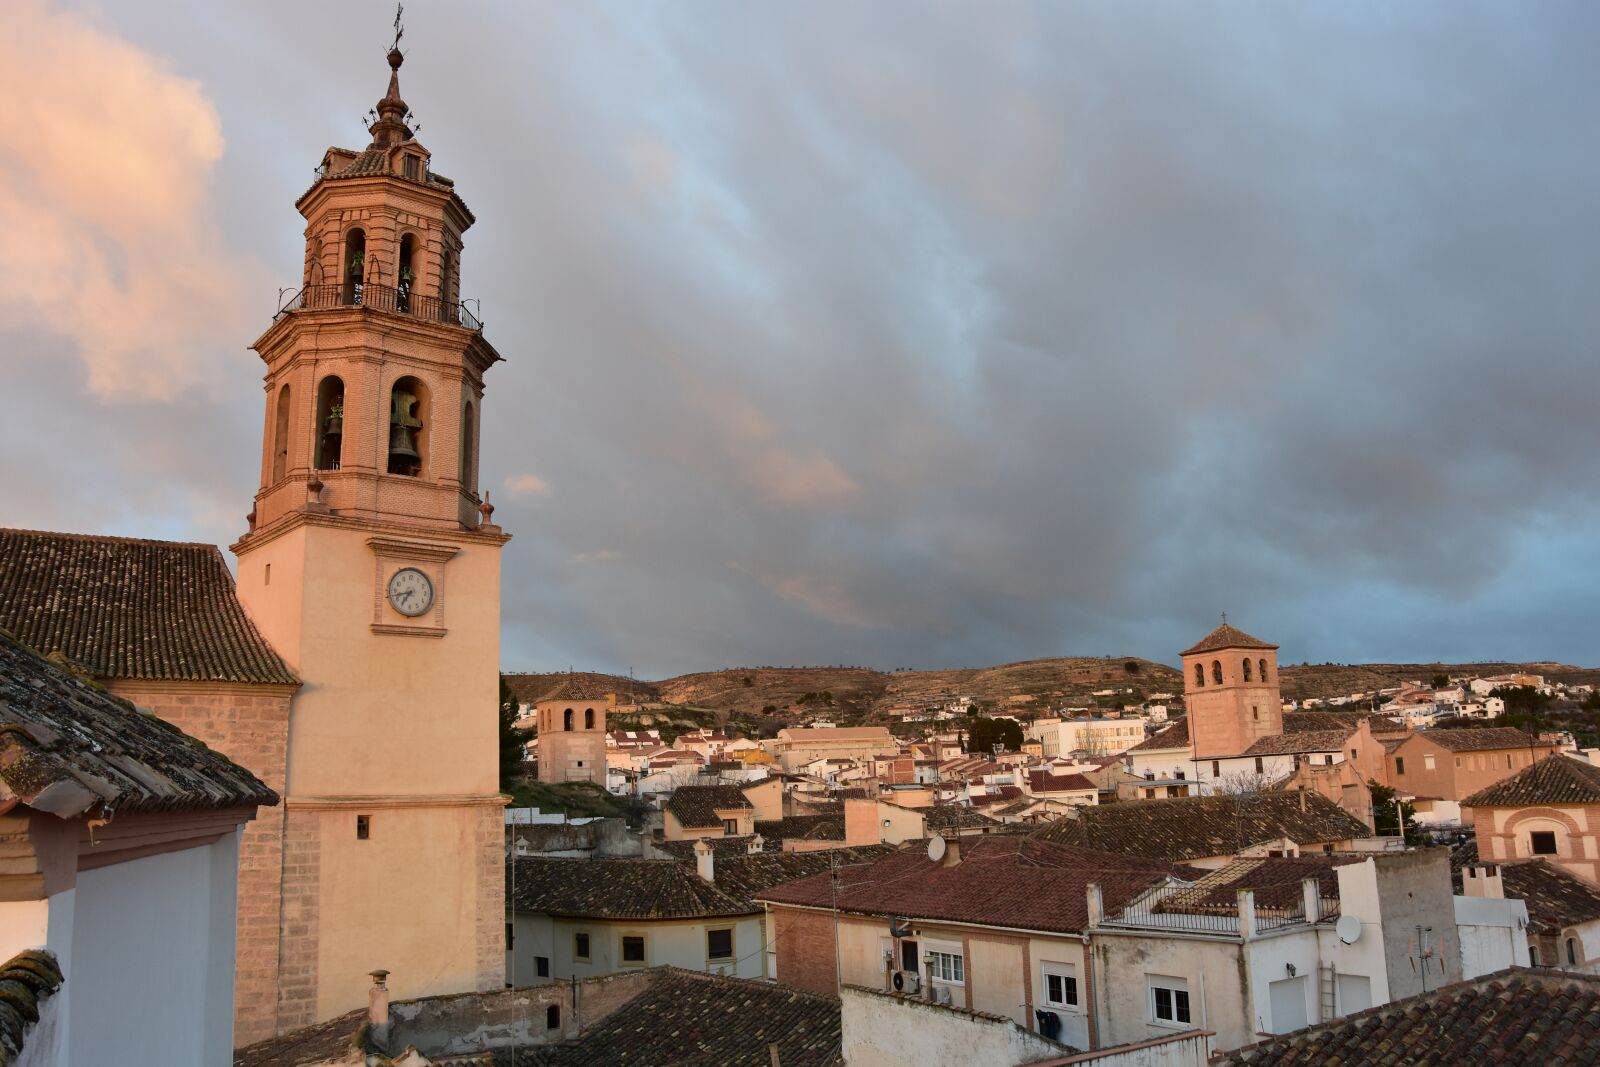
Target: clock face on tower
410 591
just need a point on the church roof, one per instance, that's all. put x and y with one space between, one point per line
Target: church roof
128 608
1556 779
1226 636
68 747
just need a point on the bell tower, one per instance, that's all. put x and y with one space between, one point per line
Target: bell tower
1231 692
372 565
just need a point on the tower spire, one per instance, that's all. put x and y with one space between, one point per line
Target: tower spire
390 127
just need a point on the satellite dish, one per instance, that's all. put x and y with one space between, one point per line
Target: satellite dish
1348 928
936 848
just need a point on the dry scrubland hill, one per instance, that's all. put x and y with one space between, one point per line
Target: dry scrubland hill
1339 679
850 692
854 693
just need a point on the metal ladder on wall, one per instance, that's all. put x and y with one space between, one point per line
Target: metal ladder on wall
1327 984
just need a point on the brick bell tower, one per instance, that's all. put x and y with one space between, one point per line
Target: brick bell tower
1231 690
372 565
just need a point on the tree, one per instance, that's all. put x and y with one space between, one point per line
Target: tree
1386 819
984 733
1132 666
1441 681
511 739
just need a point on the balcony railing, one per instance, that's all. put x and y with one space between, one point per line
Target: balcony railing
397 301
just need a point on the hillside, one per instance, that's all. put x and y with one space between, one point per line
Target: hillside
752 696
1323 680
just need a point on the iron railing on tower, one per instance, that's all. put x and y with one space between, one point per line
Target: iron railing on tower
388 298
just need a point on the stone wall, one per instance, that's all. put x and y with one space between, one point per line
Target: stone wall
472 1022
250 725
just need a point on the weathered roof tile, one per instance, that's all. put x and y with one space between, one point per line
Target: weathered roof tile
128 608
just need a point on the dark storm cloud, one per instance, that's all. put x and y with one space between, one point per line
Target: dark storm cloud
945 334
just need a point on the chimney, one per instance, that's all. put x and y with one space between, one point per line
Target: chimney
378 1006
1311 894
1483 881
704 860
952 851
1094 901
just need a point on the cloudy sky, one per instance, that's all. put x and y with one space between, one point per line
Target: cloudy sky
894 334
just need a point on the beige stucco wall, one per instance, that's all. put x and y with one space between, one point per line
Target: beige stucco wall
679 943
396 727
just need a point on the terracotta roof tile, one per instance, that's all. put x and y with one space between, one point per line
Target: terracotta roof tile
1226 636
1298 742
938 817
68 747
1042 781
1531 1017
127 608
1556 779
1006 880
1495 737
1556 898
686 1017
696 806
28 979
1276 882
1186 828
745 876
615 889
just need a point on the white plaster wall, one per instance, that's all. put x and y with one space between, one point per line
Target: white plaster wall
1270 959
1493 934
1184 1051
880 1031
150 972
680 944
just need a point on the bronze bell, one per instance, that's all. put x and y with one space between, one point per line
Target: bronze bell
403 427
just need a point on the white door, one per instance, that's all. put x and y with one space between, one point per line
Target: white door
1288 999
1355 993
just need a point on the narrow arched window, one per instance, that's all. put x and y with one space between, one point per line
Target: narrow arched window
1216 671
1200 675
566 719
1263 670
280 436
405 273
588 718
1247 670
469 480
329 428
354 274
408 425
1572 951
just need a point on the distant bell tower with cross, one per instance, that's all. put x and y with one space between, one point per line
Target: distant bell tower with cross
372 565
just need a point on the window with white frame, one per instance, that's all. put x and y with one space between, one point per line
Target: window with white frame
1169 1000
1060 985
948 967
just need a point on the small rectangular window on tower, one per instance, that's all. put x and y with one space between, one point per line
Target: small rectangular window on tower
266 577
363 827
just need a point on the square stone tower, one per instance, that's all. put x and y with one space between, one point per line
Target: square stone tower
372 566
1231 691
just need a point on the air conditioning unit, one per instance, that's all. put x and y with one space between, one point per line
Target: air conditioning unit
908 982
943 995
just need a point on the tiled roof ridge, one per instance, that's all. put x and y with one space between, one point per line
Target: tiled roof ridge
1224 637
68 747
1556 779
29 978
120 538
1366 1035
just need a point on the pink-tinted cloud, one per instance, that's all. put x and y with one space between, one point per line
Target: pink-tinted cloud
106 162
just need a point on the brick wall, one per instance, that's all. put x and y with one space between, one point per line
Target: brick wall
804 943
250 725
296 1003
491 928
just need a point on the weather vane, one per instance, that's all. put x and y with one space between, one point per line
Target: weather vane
399 29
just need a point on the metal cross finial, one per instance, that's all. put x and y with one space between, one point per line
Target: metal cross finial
399 30
1224 618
